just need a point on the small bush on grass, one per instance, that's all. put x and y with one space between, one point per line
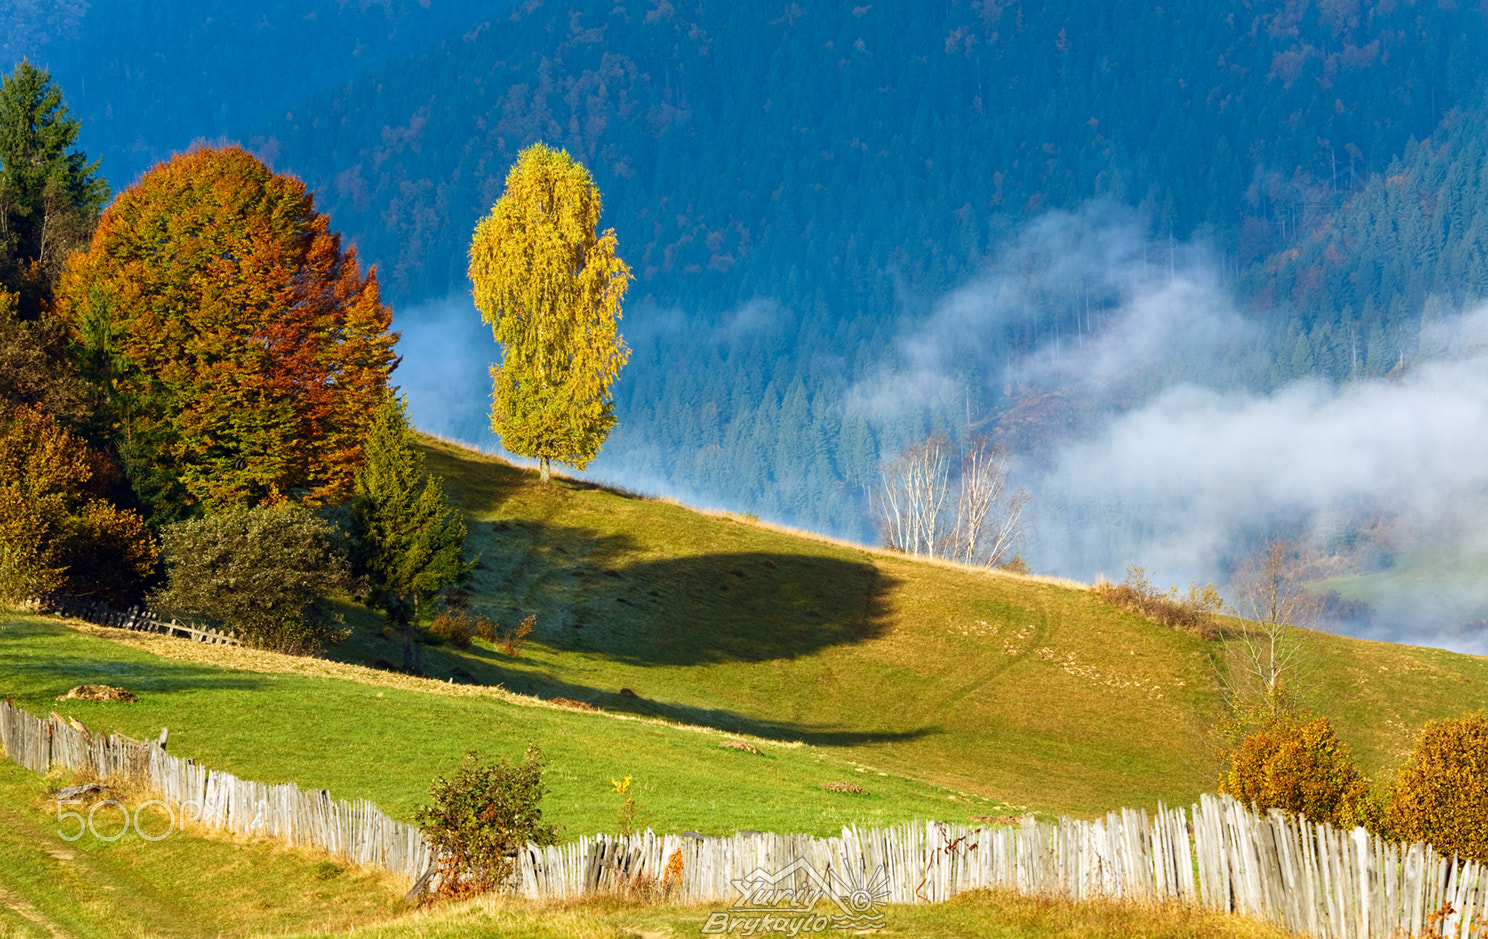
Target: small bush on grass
512 640
456 626
480 818
263 573
1299 766
1193 612
630 807
1441 795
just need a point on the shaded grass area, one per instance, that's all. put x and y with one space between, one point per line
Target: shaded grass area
984 914
388 743
182 885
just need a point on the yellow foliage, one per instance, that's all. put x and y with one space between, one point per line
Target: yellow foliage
1300 768
53 530
550 286
1441 795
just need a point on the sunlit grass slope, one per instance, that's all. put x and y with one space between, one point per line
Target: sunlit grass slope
386 742
180 885
1019 689
950 682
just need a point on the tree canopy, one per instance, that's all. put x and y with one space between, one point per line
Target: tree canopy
550 285
49 193
261 572
240 347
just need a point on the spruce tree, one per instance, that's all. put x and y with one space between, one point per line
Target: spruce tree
407 542
50 195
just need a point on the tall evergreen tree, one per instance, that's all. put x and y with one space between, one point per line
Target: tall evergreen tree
550 286
407 542
50 195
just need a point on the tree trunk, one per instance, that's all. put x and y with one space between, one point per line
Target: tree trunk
544 470
407 645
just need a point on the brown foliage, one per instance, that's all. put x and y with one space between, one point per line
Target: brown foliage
243 348
1192 612
56 532
456 626
1441 795
512 640
99 693
1300 767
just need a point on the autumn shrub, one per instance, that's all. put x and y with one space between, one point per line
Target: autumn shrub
1299 766
57 532
1192 612
456 626
512 640
480 817
1441 794
263 573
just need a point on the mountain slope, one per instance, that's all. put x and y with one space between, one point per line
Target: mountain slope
1027 690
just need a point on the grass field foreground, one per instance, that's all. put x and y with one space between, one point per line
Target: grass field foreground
385 737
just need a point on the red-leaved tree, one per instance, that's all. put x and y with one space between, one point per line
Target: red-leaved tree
239 346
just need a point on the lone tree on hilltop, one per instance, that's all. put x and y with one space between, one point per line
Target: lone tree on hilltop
407 542
550 287
50 195
238 346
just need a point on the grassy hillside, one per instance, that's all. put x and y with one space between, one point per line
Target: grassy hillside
944 692
951 682
1019 689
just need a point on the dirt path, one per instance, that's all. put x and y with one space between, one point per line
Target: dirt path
20 905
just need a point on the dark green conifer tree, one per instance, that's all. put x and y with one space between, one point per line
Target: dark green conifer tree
50 195
407 542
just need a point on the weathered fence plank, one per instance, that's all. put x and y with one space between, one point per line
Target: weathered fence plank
1304 878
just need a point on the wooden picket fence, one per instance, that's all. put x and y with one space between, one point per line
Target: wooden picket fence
357 831
1306 879
137 618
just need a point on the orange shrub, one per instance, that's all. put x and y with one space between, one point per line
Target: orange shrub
1300 768
1441 795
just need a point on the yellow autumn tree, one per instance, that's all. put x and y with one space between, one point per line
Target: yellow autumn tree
550 285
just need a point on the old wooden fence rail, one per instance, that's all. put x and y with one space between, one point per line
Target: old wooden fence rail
357 831
1307 879
136 618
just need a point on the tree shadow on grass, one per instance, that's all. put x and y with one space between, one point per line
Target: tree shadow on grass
492 669
30 670
603 593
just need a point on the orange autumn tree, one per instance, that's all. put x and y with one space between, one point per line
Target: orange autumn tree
239 347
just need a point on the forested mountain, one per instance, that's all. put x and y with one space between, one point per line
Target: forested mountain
852 224
1366 292
796 188
147 79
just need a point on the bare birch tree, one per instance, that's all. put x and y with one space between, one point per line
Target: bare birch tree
911 498
989 515
917 514
1267 657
